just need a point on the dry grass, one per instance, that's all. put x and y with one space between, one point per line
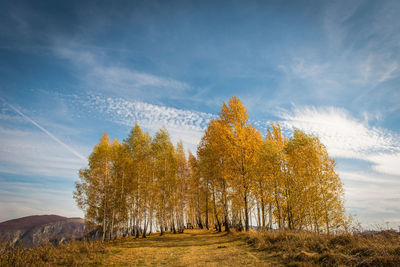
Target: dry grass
192 248
305 249
209 248
74 253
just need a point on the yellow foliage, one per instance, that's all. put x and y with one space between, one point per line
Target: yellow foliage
146 182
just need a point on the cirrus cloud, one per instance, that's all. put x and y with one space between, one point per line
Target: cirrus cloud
346 136
185 125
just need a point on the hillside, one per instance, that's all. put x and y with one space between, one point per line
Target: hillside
29 222
38 229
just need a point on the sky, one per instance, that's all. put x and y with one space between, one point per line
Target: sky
72 70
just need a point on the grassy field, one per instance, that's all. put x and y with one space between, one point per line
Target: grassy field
308 249
192 248
209 248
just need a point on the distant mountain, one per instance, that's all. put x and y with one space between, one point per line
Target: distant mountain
29 222
38 229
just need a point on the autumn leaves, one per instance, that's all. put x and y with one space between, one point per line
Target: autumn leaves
285 182
237 179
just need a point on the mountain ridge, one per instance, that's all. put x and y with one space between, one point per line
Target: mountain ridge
34 230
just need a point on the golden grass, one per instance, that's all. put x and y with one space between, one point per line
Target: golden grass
305 249
74 253
192 248
209 248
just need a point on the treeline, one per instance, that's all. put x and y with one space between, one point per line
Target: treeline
237 179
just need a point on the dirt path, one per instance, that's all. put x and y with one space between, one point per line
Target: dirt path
193 248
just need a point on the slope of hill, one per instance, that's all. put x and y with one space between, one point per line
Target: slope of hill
38 229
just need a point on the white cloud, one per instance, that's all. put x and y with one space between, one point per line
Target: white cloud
99 73
373 197
181 124
70 149
391 71
337 13
376 68
6 114
124 78
14 204
356 64
386 163
347 137
370 178
32 152
305 70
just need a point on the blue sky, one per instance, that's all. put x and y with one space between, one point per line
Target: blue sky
70 71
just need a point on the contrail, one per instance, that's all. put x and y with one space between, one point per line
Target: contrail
70 149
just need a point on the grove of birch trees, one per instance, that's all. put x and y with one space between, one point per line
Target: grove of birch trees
237 179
